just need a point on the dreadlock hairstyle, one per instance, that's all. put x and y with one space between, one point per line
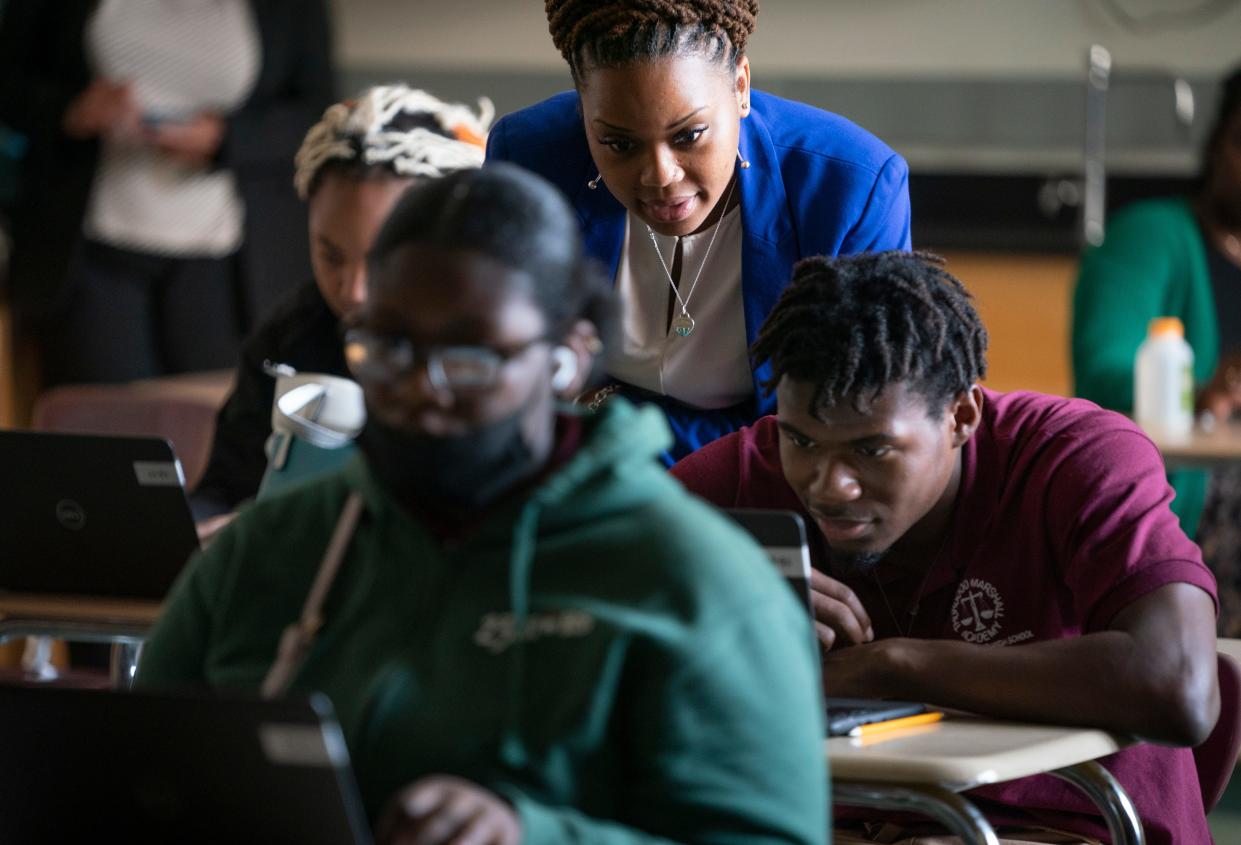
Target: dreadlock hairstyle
612 33
395 129
1229 104
854 325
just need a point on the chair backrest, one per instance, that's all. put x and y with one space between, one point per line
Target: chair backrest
179 408
1216 757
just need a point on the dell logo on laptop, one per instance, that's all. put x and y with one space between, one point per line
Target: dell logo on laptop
70 514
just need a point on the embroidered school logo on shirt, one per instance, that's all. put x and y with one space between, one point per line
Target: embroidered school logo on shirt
496 631
977 610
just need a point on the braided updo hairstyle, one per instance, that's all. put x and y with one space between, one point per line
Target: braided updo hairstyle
854 325
613 33
392 130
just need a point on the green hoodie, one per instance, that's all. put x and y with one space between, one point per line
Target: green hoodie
609 653
1153 263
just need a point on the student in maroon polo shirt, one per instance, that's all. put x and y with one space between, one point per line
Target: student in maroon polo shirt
952 519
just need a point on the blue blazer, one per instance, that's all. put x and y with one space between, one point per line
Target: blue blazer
816 185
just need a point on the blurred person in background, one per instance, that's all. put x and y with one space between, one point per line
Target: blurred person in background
154 214
352 167
1178 257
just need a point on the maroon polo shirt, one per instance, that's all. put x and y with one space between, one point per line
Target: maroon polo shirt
1061 521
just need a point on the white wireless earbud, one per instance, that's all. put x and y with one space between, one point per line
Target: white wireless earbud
565 360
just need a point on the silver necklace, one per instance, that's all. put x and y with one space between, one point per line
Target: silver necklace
683 323
913 607
916 602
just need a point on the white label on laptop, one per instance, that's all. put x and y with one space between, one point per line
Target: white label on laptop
788 559
302 745
159 473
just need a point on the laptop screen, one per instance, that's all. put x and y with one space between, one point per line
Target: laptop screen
782 534
91 515
85 765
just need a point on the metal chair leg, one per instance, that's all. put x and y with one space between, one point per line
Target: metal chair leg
945 806
124 664
1111 799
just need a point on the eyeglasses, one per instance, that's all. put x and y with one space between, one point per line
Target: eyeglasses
376 357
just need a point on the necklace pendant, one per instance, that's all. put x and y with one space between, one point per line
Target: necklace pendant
683 324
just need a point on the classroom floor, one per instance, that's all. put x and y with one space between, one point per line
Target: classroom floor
1225 819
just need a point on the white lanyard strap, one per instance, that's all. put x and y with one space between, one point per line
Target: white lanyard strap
298 637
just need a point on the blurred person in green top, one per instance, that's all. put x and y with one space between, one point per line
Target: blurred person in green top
535 635
1178 257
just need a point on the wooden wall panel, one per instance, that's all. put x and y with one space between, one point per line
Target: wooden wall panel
1025 301
18 375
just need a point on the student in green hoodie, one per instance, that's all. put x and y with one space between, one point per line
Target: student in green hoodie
534 635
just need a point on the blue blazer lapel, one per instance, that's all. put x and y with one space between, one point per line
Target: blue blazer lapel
603 221
769 244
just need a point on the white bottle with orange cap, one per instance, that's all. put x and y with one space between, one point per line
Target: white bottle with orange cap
1163 383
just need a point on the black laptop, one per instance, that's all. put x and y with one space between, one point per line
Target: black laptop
782 534
90 766
91 515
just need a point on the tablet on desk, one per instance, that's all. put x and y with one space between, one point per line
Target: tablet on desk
845 715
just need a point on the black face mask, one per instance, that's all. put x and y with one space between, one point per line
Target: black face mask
449 473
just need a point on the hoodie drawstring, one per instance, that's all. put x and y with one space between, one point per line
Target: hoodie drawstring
521 565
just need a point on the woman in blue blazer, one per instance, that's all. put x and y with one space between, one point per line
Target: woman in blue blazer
680 173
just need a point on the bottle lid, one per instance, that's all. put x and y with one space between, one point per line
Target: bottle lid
1165 326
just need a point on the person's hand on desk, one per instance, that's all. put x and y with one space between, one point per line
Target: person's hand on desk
1222 395
868 670
441 809
839 618
1150 673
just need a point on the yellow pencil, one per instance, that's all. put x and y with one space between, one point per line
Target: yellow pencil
893 724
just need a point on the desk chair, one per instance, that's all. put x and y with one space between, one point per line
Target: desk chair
1217 756
123 624
180 408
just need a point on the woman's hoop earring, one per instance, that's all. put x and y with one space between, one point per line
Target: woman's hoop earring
745 165
594 183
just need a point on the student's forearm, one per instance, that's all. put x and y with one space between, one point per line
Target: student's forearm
1102 679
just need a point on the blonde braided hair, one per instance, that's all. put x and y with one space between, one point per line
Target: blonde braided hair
370 131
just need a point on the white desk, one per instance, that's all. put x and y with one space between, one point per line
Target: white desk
922 769
122 622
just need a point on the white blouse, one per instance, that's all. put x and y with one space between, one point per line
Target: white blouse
183 57
709 368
